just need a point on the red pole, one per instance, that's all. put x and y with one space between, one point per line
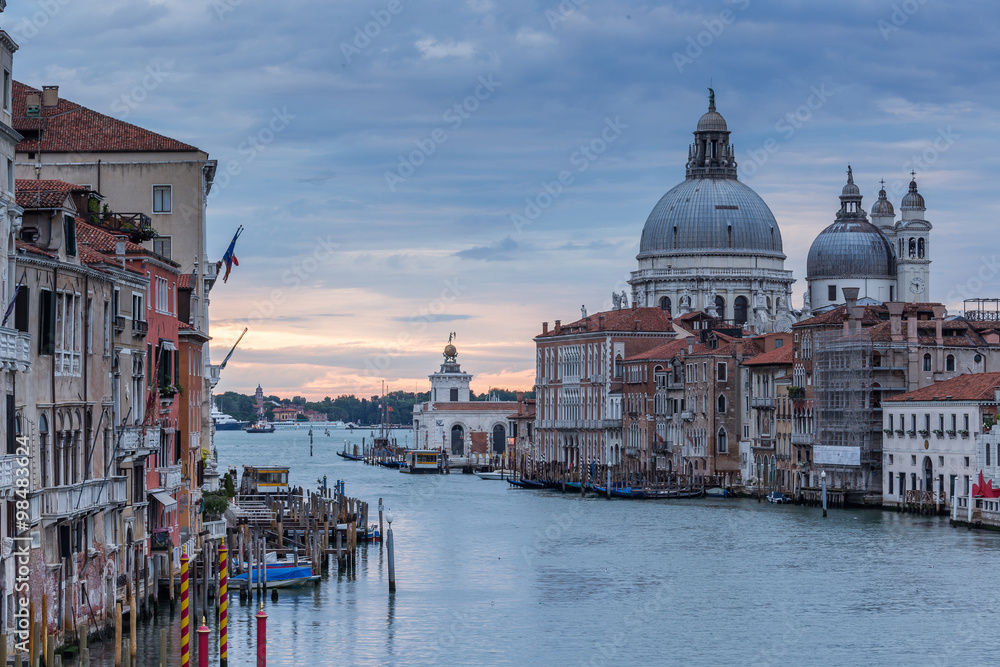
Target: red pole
261 637
203 644
185 639
223 605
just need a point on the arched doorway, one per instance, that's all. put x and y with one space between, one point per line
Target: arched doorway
499 439
665 303
928 474
740 305
457 440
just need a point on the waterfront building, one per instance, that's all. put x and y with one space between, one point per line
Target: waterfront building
521 427
451 422
930 446
579 378
652 397
711 244
162 183
884 260
766 456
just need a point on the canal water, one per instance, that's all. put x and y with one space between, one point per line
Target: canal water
489 575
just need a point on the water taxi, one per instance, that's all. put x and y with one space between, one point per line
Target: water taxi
422 461
264 479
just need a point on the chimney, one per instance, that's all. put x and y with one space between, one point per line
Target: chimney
634 304
520 400
600 322
853 312
33 105
558 326
50 96
939 313
738 345
911 328
120 249
895 320
690 344
545 328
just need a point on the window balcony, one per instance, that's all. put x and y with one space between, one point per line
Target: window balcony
631 451
119 323
15 350
766 402
137 440
611 423
8 467
139 328
170 478
802 439
61 502
687 415
694 451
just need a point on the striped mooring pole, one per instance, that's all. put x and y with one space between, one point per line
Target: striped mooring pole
185 626
261 637
223 605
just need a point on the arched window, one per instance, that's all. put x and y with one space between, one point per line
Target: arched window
927 362
457 440
665 303
913 247
721 442
722 402
720 307
618 366
900 254
949 362
920 248
43 441
499 439
740 310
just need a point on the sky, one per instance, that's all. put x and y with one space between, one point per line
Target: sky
396 164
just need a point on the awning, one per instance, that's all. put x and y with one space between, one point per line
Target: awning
164 499
168 345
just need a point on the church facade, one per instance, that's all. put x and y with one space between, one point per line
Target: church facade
711 244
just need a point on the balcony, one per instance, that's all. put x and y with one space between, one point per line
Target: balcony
67 362
8 466
119 323
611 423
687 415
137 440
631 451
216 529
15 350
214 374
690 450
766 402
170 478
663 445
138 226
62 502
802 439
139 328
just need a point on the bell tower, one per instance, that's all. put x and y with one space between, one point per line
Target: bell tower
913 247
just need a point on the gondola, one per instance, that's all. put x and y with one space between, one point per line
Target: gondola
350 457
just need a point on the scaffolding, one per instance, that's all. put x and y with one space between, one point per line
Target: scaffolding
842 387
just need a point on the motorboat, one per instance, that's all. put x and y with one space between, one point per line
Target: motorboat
277 577
224 422
717 492
422 462
778 497
495 474
260 427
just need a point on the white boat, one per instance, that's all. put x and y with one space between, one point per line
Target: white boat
496 474
224 422
422 461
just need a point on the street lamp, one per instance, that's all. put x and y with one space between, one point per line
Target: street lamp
822 477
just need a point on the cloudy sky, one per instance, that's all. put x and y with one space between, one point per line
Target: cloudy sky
396 163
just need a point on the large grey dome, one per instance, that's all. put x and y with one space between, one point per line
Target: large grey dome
851 248
713 215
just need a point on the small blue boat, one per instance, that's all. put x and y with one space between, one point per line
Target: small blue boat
278 577
391 464
516 483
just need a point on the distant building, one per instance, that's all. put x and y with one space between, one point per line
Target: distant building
287 413
453 423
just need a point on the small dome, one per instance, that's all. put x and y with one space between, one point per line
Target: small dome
851 248
450 351
913 199
712 121
882 206
850 189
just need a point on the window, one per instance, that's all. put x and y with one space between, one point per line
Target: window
778 343
90 324
927 362
137 311
720 372
162 295
107 328
453 394
161 246
665 303
67 333
722 446
69 227
949 362
21 301
890 428
6 90
966 428
927 422
161 199
890 484
10 175
831 292
46 322
740 310
722 402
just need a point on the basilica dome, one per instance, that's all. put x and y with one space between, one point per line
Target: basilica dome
851 248
711 215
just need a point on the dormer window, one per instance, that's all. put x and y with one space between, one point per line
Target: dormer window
69 235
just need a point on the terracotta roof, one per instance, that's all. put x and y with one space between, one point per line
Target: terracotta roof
968 387
70 127
34 250
184 281
780 355
44 193
104 240
665 351
626 319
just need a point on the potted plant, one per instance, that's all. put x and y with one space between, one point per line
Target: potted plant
911 433
951 432
888 431
938 432
923 433
899 432
964 433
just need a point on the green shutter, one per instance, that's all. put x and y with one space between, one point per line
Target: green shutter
47 322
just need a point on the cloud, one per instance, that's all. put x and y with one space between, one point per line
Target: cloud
432 318
496 252
431 48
